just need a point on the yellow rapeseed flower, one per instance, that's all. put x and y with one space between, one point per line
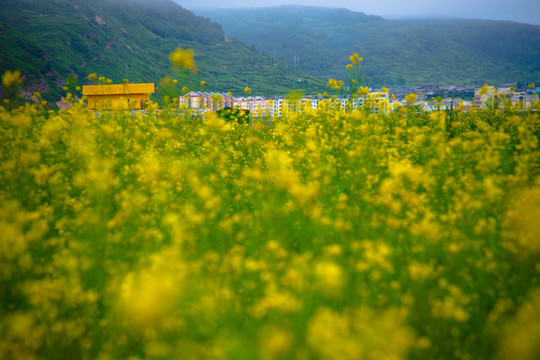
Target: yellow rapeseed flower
184 58
355 59
523 216
411 98
359 334
166 80
332 83
274 342
330 278
484 90
363 91
520 337
10 79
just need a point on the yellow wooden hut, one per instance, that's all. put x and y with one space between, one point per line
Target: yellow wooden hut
118 96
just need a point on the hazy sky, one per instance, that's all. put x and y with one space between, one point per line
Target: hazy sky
527 11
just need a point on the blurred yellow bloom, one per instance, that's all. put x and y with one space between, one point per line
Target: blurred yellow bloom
275 342
354 59
148 298
184 58
213 121
363 91
166 80
247 90
329 278
520 337
411 98
10 79
359 334
332 82
276 301
420 271
484 89
523 218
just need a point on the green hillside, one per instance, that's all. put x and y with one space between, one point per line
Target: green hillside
18 52
396 53
49 40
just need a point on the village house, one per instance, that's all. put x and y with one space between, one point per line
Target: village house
241 103
118 96
197 100
377 100
492 95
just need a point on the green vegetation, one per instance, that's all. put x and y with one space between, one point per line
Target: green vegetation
17 52
396 53
329 234
130 39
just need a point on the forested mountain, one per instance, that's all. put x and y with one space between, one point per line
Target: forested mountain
396 53
49 40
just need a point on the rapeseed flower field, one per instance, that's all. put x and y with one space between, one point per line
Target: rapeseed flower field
325 234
